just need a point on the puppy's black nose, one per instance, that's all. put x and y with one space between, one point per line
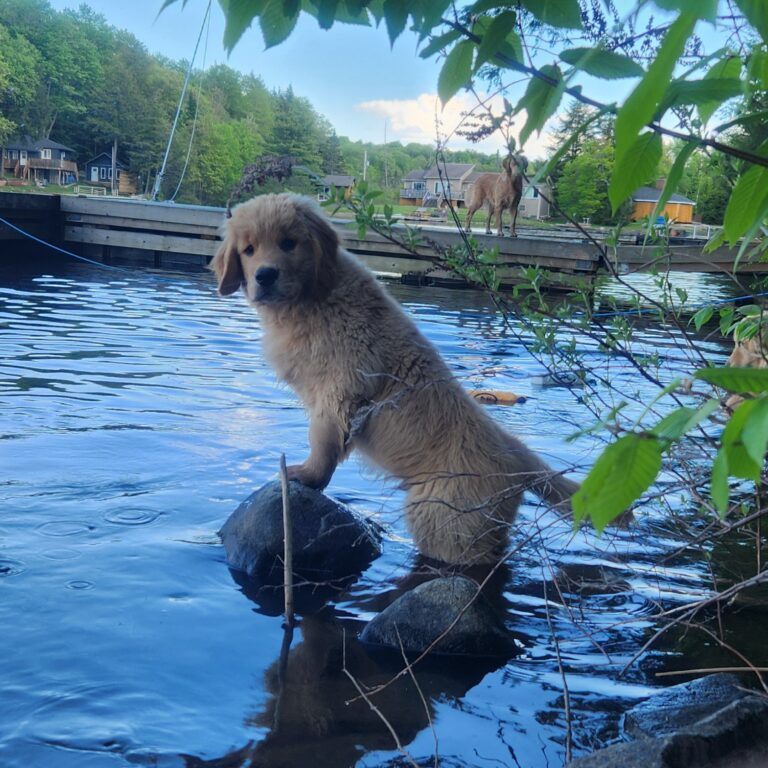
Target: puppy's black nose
266 276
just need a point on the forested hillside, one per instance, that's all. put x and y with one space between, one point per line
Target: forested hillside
72 77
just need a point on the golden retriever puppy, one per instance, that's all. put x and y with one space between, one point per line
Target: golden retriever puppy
371 382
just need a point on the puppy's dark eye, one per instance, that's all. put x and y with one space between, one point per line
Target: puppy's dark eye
287 244
248 251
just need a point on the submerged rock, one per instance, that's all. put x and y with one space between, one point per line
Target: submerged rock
680 706
417 618
330 541
721 732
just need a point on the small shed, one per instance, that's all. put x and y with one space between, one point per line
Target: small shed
98 171
678 208
334 181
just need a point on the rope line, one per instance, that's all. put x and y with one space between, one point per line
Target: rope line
110 267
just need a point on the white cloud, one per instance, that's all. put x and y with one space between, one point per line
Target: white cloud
423 119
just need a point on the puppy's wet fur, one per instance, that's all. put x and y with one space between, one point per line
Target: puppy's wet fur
371 382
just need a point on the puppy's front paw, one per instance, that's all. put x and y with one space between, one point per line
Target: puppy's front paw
306 476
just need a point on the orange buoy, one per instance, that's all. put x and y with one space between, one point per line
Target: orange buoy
496 397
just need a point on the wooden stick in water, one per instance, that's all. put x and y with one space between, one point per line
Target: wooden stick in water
288 545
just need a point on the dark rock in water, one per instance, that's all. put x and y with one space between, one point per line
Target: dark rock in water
330 541
679 706
729 736
417 618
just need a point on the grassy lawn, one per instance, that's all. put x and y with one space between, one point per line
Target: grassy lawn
50 189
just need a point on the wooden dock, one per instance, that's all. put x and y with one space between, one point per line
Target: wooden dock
170 235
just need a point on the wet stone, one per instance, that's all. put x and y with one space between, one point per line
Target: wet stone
682 705
727 730
330 541
419 617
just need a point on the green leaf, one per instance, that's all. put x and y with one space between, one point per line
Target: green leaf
438 43
640 106
541 100
756 12
715 241
239 17
673 179
456 71
719 488
704 9
601 63
620 475
754 436
634 168
351 13
277 21
702 317
707 95
678 423
740 380
758 67
481 6
395 16
556 13
497 35
740 462
326 13
747 203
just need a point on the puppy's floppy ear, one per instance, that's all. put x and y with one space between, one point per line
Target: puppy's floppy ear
226 265
325 242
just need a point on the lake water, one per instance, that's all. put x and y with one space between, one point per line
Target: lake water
136 412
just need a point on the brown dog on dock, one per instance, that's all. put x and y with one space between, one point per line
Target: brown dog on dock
370 381
501 191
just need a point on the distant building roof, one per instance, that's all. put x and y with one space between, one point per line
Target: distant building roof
474 176
107 160
414 176
51 144
334 180
449 171
652 195
35 145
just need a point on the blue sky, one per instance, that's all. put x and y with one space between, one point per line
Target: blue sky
349 73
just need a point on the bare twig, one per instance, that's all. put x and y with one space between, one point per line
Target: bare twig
288 545
422 697
566 692
400 748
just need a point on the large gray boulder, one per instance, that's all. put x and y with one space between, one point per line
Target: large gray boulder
418 617
681 706
727 731
330 541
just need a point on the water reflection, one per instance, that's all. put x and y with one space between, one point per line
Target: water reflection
136 414
322 712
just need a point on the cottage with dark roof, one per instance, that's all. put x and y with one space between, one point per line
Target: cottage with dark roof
98 171
41 161
678 208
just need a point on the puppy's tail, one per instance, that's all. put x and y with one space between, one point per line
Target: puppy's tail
550 485
555 489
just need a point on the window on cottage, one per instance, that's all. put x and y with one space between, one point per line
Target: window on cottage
102 173
45 154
